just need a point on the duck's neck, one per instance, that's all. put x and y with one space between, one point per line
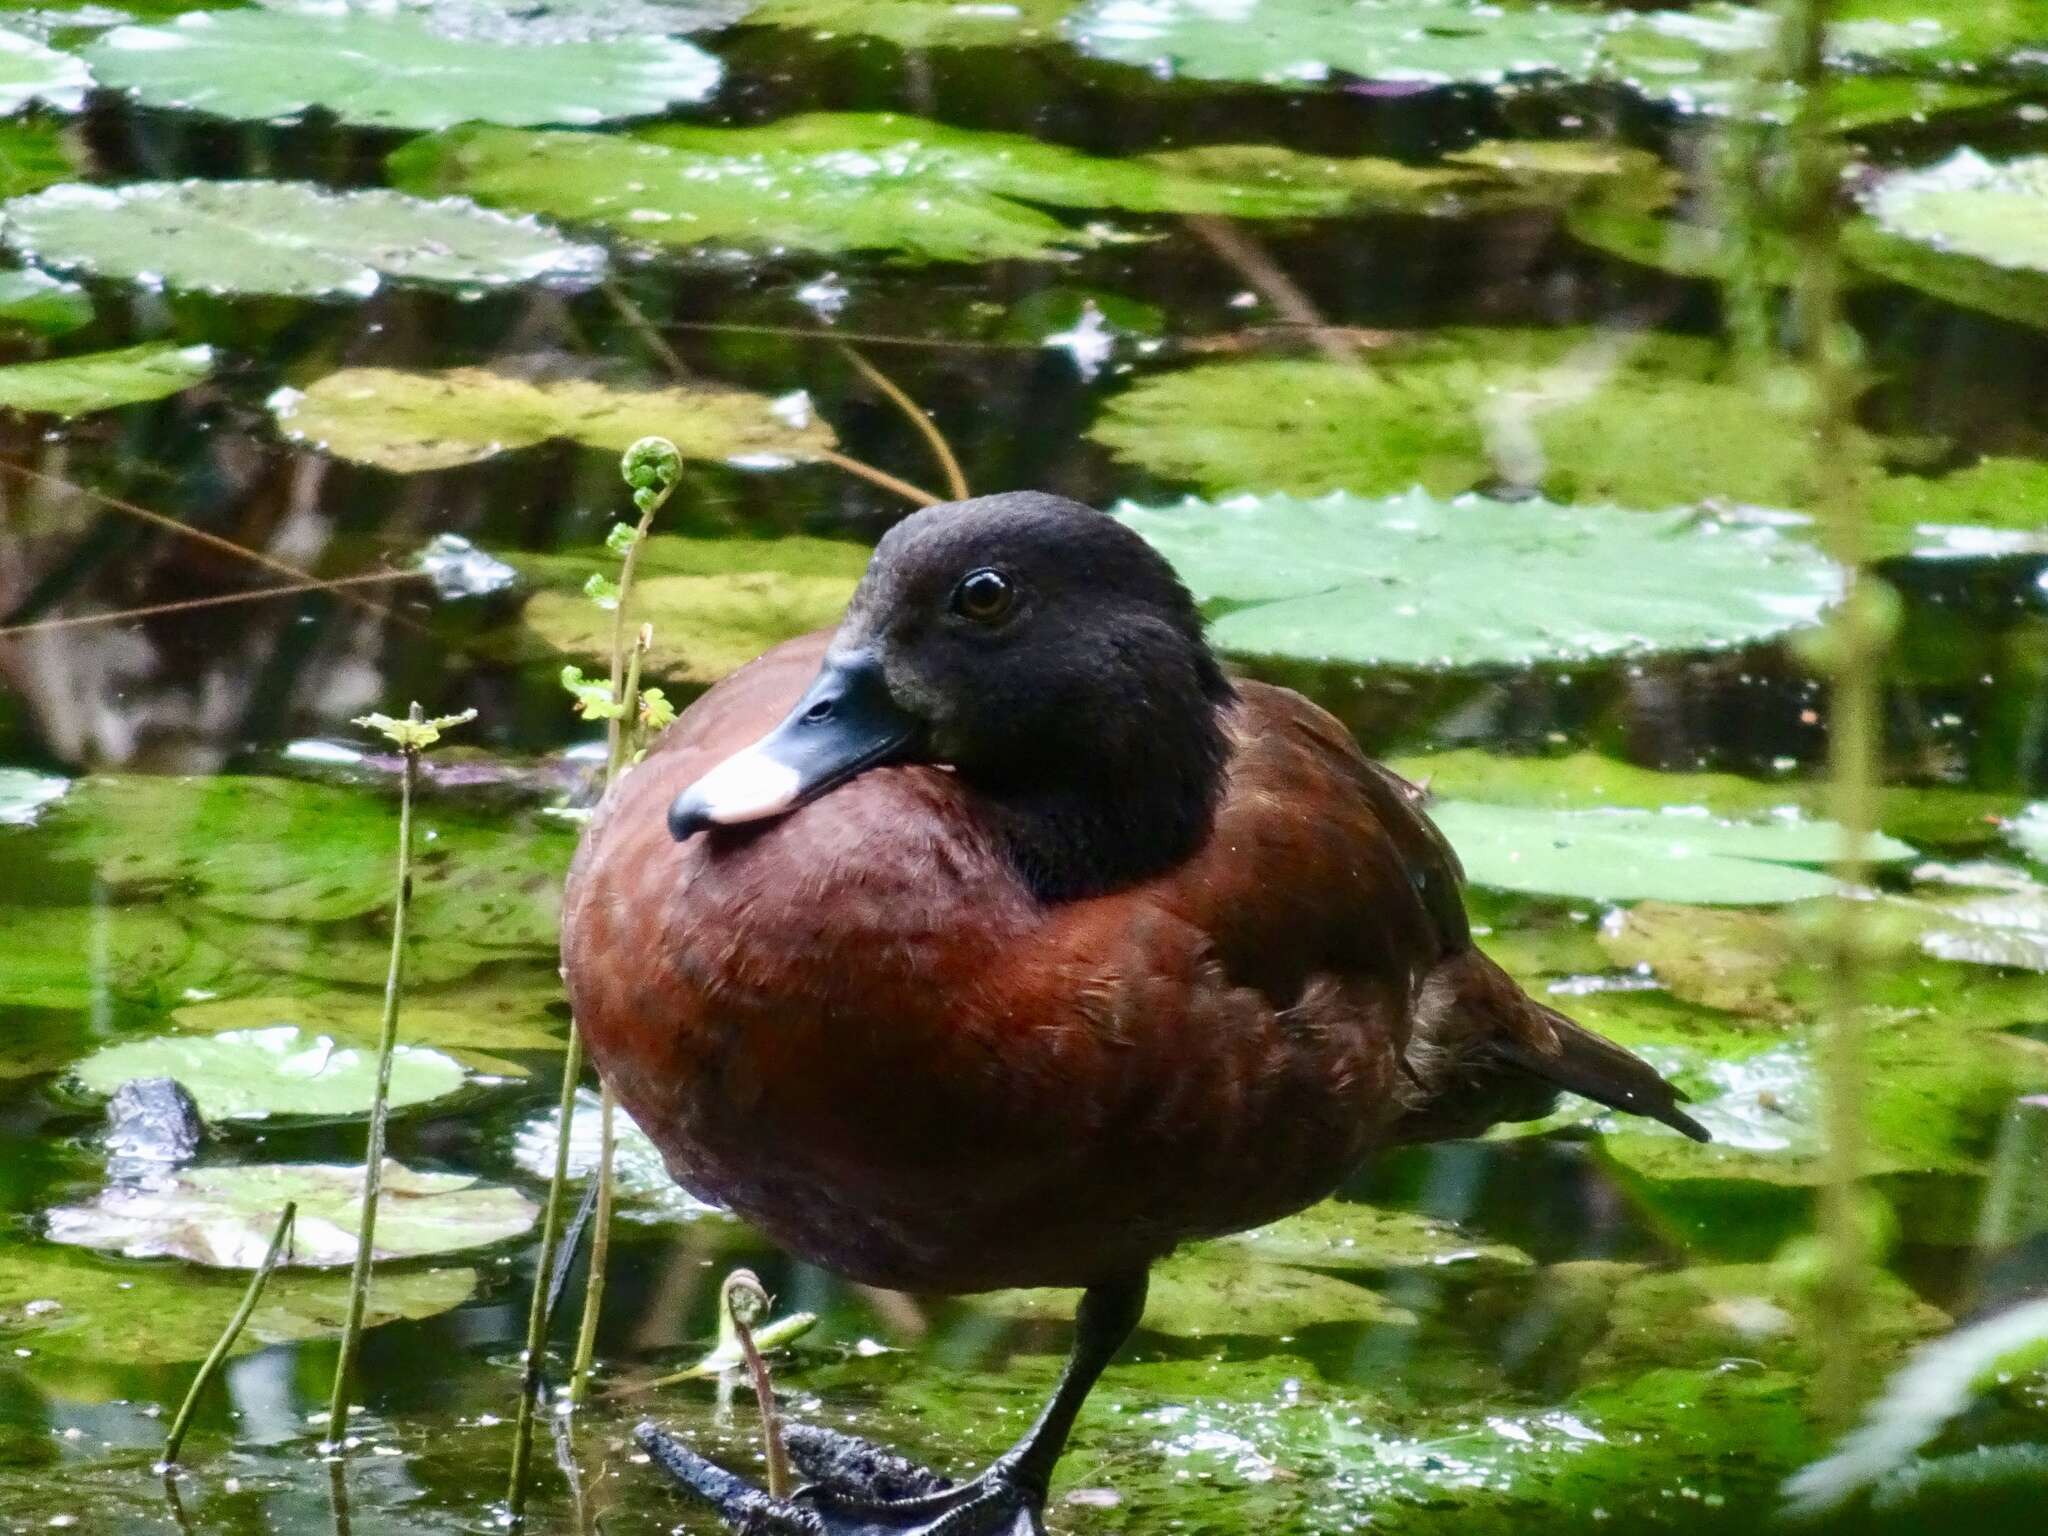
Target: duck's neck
1091 817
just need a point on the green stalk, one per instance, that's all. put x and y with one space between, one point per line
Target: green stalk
210 1367
537 1308
653 468
373 1157
1855 654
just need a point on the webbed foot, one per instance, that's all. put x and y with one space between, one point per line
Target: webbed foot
855 1488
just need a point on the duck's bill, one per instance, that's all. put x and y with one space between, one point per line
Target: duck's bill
845 723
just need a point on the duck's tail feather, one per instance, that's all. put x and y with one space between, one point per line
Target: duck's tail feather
1483 1051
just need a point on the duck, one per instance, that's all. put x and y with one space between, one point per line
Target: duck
1002 937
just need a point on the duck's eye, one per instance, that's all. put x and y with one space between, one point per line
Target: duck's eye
983 596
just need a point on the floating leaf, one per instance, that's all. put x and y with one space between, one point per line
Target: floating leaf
641 1177
83 957
2029 832
282 237
38 302
393 70
100 381
1996 506
29 71
497 1016
1629 855
920 24
1339 1236
252 1074
876 181
1580 781
224 1217
1297 42
1640 419
542 21
1969 230
715 603
59 1301
23 794
1416 582
407 421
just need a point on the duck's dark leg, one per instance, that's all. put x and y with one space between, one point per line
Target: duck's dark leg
858 1489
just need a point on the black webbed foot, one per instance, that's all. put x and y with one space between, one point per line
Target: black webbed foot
855 1489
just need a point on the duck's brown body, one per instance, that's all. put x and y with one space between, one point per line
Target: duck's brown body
860 1029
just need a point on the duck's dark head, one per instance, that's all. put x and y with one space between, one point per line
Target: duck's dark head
1043 651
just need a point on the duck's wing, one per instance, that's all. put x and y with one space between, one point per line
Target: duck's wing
1475 1049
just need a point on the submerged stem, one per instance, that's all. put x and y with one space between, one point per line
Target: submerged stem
949 463
373 1156
210 1367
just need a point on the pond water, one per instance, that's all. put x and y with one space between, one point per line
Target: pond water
1275 249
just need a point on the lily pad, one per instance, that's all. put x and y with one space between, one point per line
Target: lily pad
69 1304
470 1024
253 1074
24 793
830 182
1342 1237
100 381
394 70
1631 855
288 238
1969 230
920 24
85 957
1639 419
1997 506
1417 582
639 1176
1298 42
407 421
30 71
715 603
224 1217
38 302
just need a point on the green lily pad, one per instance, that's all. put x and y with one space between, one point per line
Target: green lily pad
640 1178
393 70
287 238
1581 781
253 1074
1969 230
23 794
1339 1236
407 421
100 381
1633 855
224 1217
36 301
477 1019
285 851
715 603
2029 832
1222 1289
30 71
69 1304
1439 585
829 182
920 24
82 957
1997 506
1641 419
1297 42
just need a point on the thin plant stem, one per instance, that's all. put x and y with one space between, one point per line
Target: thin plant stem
380 1105
211 1366
198 535
874 476
1855 647
600 1244
745 1301
537 1309
654 341
220 600
949 465
865 338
